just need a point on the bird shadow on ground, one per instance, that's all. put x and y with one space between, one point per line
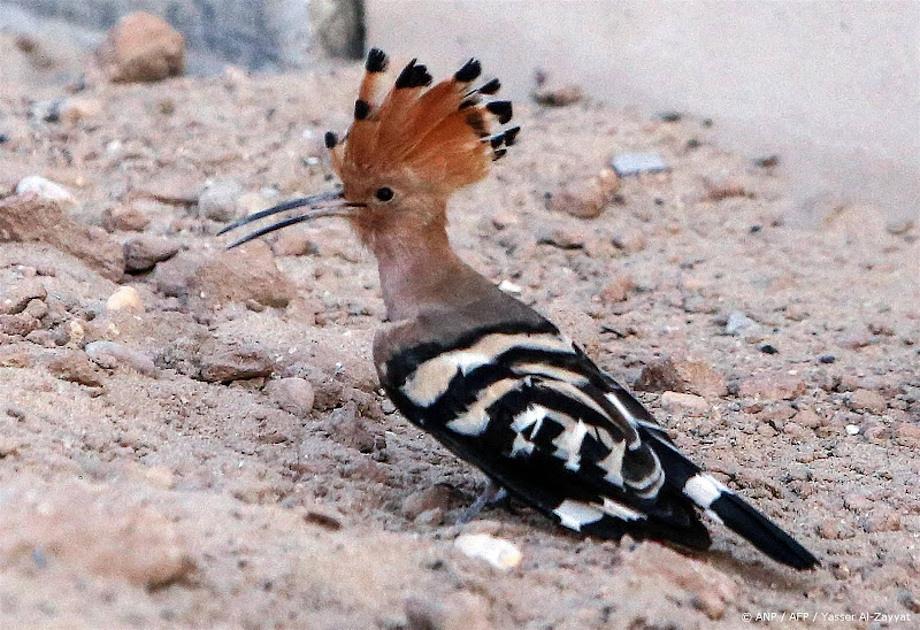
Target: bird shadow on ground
757 573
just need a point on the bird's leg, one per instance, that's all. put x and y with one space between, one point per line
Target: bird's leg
492 494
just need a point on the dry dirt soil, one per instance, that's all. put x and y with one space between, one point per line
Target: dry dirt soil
210 448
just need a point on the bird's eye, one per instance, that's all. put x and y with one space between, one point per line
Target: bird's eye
384 194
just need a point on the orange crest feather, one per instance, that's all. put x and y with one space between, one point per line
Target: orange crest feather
439 136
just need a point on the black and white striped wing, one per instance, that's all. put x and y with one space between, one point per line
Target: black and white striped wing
532 411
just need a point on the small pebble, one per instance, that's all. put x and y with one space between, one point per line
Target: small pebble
617 289
868 400
14 298
500 553
826 359
635 163
899 226
675 402
509 287
738 323
125 299
77 368
220 201
127 218
294 395
563 238
768 161
559 96
110 355
144 252
46 189
437 496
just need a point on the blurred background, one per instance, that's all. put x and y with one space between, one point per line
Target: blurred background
832 88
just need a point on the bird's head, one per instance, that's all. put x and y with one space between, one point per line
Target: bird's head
406 152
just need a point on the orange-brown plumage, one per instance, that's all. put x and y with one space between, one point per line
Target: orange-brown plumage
428 137
480 370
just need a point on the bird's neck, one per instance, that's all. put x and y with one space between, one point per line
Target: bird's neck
420 271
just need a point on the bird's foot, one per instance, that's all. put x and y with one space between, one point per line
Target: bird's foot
491 495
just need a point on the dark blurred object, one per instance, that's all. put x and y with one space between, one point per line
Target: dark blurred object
549 95
768 161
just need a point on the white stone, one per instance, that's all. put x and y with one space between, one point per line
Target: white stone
500 553
46 189
509 287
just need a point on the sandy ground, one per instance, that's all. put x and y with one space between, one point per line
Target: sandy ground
230 461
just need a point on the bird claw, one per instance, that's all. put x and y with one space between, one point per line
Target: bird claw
491 495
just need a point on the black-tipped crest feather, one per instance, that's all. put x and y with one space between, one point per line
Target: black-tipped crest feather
501 109
377 61
362 109
469 72
491 87
413 76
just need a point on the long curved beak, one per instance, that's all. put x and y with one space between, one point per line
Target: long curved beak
329 204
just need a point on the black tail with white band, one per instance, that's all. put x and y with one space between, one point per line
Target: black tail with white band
531 410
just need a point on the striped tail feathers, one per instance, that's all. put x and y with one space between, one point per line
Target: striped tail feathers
724 506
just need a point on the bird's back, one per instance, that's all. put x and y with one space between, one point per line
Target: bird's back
498 385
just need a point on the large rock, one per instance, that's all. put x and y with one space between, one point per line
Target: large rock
682 375
224 363
238 275
75 367
15 298
142 48
144 252
30 218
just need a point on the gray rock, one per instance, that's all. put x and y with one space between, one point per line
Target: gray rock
346 427
433 497
14 299
111 355
219 201
738 324
899 226
635 163
144 252
294 395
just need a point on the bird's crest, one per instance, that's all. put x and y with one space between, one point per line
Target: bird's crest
443 136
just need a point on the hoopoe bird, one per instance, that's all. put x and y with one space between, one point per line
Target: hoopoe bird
489 377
